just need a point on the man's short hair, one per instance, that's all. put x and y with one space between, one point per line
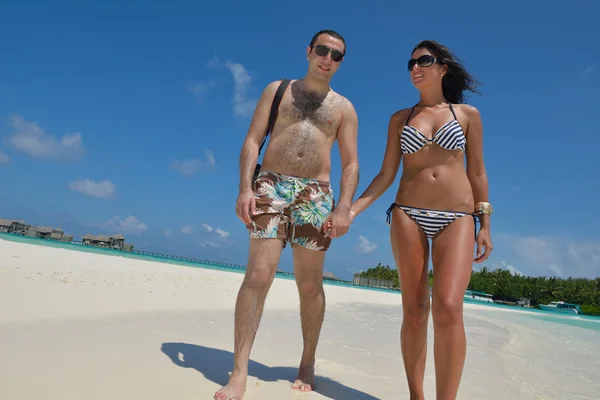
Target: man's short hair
329 32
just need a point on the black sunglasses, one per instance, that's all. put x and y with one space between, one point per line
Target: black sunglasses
423 61
322 51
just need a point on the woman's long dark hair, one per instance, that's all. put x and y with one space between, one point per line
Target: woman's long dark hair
457 79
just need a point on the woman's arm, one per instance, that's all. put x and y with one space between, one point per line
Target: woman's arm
389 167
478 177
475 165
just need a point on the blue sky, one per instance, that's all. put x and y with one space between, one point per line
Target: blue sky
129 118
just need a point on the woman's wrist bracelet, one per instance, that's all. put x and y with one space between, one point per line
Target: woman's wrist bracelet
484 207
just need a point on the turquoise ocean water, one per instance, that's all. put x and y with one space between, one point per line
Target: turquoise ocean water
582 321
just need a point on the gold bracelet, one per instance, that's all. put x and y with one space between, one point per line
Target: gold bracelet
484 207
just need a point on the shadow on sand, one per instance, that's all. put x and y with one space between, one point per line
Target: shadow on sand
215 365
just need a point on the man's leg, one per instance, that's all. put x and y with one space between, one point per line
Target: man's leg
310 242
262 264
308 269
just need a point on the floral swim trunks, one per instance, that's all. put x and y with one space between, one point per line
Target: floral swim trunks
293 209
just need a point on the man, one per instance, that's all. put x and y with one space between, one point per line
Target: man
292 201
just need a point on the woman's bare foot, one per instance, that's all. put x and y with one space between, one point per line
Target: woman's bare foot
234 390
305 382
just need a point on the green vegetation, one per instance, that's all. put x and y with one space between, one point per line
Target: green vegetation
507 287
382 272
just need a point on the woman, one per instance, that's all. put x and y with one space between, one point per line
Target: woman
438 199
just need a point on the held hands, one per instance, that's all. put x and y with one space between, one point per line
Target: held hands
245 206
339 222
483 240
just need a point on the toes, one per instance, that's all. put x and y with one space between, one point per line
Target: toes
225 396
303 387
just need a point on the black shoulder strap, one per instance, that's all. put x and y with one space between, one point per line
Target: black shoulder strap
274 109
410 115
452 109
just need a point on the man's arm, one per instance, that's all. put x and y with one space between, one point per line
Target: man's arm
245 204
347 141
255 135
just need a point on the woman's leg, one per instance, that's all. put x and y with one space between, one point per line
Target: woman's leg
452 256
411 253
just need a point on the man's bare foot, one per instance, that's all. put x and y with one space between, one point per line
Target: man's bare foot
234 390
305 382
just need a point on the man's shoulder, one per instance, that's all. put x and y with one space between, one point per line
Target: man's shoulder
344 104
271 88
273 85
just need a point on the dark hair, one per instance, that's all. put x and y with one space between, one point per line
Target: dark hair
457 79
329 32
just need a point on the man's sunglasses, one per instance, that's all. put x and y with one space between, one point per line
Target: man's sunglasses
423 61
322 51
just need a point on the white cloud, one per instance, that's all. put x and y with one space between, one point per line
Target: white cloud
192 166
552 256
211 243
502 265
589 69
219 234
513 270
243 106
199 89
188 230
586 255
129 225
364 245
167 232
539 254
30 138
222 233
214 62
104 189
4 159
210 158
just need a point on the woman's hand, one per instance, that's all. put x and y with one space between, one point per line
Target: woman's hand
483 241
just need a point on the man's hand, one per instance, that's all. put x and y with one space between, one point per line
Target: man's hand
338 222
245 206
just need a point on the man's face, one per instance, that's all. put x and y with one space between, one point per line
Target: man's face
325 57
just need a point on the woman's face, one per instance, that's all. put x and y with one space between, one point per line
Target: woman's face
424 70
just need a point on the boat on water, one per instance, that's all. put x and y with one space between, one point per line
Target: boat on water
474 295
561 307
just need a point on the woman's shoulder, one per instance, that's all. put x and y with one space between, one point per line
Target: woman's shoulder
467 110
401 115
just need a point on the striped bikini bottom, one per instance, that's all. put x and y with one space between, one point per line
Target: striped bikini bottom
431 221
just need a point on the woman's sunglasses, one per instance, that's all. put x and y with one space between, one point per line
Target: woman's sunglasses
322 51
423 61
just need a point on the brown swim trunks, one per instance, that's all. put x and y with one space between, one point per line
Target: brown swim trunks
293 209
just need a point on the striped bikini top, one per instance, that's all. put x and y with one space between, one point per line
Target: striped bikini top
450 136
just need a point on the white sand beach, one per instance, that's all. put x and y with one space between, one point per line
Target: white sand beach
76 325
